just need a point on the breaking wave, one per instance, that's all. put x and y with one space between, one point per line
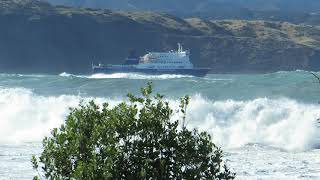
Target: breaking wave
64 74
282 123
126 76
26 117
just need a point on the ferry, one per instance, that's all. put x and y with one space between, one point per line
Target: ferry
172 62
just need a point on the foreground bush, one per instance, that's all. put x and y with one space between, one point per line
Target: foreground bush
134 140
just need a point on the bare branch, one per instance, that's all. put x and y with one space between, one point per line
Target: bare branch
316 76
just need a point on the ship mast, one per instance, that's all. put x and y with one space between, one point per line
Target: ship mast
179 47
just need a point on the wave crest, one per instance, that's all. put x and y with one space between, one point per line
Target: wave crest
282 123
126 76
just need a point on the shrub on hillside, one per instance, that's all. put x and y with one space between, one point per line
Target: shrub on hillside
135 140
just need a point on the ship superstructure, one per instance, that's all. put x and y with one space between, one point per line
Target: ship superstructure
166 60
172 62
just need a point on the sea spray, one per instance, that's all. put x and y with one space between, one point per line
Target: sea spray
126 76
265 123
27 117
282 123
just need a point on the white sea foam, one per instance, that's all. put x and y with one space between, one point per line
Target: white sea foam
297 71
26 117
126 76
283 123
65 74
136 76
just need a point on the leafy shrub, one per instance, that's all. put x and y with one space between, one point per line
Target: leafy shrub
135 140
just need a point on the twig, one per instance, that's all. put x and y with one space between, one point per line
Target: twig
318 102
316 76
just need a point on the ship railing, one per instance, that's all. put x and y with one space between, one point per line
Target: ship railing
111 65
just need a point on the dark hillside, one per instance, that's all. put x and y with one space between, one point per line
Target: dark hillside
38 37
295 11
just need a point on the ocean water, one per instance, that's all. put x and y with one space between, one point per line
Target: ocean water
266 123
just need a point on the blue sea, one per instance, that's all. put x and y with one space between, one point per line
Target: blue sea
265 123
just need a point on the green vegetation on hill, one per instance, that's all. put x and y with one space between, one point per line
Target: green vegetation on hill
38 37
135 140
295 11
